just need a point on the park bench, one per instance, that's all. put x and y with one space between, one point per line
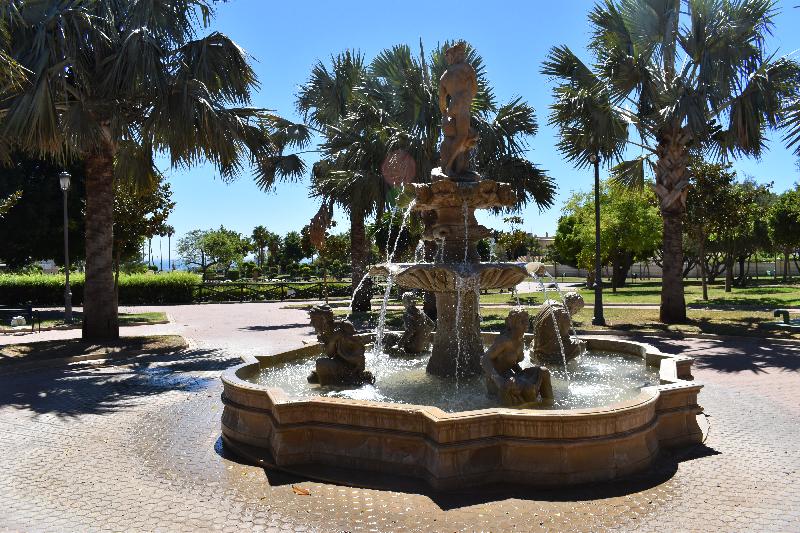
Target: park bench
26 310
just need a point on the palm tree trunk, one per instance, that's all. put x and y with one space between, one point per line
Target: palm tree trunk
358 258
671 182
100 322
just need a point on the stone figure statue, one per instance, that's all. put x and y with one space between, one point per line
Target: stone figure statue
512 384
546 348
417 327
457 87
344 362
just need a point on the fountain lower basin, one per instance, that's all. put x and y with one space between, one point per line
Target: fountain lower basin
465 448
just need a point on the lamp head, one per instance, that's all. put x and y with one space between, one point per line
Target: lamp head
593 159
64 178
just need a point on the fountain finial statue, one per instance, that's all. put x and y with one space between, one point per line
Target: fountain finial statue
457 87
344 363
546 347
504 377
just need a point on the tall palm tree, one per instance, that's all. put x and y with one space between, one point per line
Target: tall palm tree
687 75
260 238
113 83
395 107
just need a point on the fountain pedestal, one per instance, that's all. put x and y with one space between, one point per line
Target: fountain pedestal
458 335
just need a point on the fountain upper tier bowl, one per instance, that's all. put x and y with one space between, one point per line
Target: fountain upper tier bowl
445 277
446 192
316 436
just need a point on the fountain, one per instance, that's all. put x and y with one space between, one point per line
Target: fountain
471 410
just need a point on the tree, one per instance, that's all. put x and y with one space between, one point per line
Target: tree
706 85
138 215
212 248
629 230
706 202
292 251
110 83
784 225
370 115
260 239
33 229
9 201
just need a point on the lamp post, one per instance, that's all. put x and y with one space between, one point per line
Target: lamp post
64 179
598 319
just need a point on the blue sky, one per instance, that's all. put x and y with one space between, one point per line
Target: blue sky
285 39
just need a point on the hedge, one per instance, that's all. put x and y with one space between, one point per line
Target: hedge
47 290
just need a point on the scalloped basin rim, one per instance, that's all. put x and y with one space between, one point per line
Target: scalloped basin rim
468 448
235 376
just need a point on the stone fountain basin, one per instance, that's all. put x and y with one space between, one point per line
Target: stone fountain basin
443 277
455 450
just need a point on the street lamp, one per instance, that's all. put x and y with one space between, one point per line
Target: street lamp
64 179
598 319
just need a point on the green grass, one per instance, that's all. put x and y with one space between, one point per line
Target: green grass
55 319
719 322
649 292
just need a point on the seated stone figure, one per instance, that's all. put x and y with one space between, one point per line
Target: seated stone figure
512 384
546 348
417 329
344 360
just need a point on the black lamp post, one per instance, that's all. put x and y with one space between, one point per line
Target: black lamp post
64 179
598 319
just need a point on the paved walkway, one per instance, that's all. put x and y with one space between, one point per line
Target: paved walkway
136 446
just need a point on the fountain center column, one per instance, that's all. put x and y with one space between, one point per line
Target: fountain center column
457 344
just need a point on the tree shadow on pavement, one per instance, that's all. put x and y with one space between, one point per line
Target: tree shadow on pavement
276 327
97 389
756 356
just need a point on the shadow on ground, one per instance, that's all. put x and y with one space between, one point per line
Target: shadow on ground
274 327
662 470
86 388
757 356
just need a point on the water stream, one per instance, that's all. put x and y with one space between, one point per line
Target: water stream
555 324
552 280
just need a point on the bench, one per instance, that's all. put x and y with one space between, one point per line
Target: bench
26 310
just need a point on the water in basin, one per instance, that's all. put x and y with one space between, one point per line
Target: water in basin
596 379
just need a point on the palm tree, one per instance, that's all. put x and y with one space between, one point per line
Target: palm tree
394 106
260 240
706 85
112 83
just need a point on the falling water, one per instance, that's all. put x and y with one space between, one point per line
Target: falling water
358 288
419 252
515 294
391 221
553 280
465 209
555 324
403 222
377 346
459 293
439 255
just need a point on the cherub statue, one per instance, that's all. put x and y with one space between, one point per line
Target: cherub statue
457 87
546 348
344 362
504 377
417 327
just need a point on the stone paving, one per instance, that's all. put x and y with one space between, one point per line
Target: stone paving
135 446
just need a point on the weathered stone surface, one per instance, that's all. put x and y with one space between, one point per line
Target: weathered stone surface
552 331
344 361
505 379
591 444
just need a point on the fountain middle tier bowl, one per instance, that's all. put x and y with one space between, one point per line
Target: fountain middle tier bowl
336 437
436 277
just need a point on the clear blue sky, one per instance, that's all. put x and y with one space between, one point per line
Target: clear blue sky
285 39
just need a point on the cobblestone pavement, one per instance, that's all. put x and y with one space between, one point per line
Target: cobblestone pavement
136 446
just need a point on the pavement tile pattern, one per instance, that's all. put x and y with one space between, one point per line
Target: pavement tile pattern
135 446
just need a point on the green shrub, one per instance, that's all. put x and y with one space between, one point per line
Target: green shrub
45 289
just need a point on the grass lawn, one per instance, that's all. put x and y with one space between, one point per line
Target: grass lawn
649 292
14 354
55 319
718 322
